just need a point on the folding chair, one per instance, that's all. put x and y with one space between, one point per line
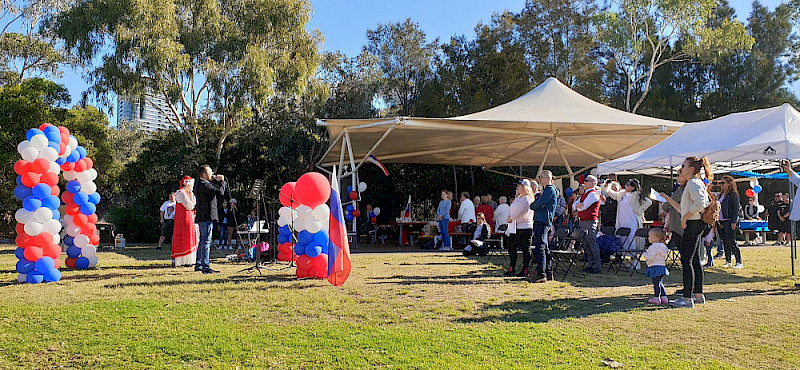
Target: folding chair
567 251
608 230
674 256
636 254
495 245
616 258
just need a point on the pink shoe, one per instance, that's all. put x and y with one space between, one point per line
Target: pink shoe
664 300
654 300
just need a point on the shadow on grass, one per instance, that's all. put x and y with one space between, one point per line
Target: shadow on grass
220 280
545 310
149 253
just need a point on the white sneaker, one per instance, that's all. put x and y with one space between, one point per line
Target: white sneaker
738 266
727 265
445 249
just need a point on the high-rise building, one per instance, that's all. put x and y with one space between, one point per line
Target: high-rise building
146 111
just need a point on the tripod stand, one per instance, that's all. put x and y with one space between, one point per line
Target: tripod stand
256 194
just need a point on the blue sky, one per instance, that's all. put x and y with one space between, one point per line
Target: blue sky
344 22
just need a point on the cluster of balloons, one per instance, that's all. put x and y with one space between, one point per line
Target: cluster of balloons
373 216
46 151
756 188
305 212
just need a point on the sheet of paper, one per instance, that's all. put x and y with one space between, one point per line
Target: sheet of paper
654 195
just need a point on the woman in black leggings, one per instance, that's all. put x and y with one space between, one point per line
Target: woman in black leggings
729 220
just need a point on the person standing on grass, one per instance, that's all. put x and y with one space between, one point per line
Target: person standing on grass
794 216
167 214
673 209
443 217
207 192
466 213
693 201
232 221
501 218
223 226
544 208
773 222
656 257
521 215
729 220
588 212
184 237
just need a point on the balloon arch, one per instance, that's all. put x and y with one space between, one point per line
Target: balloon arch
46 152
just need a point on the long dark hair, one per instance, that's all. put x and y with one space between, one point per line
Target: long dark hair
634 183
731 184
697 163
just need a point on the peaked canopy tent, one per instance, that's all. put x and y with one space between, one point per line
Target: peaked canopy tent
748 141
551 125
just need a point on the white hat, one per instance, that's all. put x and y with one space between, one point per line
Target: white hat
234 201
525 182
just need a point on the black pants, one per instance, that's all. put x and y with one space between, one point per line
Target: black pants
690 258
541 250
729 241
520 241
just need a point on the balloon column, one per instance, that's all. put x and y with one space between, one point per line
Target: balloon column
45 152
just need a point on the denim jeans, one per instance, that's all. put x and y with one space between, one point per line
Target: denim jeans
223 234
729 240
204 248
444 224
658 286
541 251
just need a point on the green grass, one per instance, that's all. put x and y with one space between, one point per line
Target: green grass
400 310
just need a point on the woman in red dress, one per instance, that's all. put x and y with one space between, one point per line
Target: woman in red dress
184 235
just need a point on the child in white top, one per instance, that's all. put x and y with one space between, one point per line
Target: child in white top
656 257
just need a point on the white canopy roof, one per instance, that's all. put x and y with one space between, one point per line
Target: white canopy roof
523 132
748 141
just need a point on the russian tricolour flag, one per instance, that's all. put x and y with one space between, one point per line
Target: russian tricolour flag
338 247
371 158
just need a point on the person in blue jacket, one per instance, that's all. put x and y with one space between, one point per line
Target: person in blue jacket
544 208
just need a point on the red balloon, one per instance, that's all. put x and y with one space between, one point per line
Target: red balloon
40 165
20 229
68 197
94 239
55 190
33 253
89 162
320 266
89 229
21 166
304 264
70 262
750 193
43 240
52 251
30 179
64 131
373 219
62 147
21 241
286 194
58 263
80 220
49 178
92 218
353 195
356 212
44 126
312 189
68 166
72 209
80 165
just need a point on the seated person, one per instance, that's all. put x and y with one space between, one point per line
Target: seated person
481 233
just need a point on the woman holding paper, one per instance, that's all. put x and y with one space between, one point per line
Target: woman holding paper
630 210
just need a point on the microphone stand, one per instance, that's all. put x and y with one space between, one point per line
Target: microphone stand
255 193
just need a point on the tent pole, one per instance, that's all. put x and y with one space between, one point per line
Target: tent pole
504 173
566 164
544 157
793 224
353 182
341 158
385 134
455 180
336 140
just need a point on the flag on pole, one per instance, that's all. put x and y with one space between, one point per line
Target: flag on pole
407 213
378 163
338 247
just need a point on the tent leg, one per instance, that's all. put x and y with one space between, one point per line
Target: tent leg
793 224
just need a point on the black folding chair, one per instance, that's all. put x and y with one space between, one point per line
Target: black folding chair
495 245
608 230
567 251
617 257
636 254
674 256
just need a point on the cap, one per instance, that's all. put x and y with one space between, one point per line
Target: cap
234 201
525 182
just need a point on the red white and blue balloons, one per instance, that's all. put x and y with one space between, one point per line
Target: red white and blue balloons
45 152
310 220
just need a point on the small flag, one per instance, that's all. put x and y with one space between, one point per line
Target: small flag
338 247
378 163
407 213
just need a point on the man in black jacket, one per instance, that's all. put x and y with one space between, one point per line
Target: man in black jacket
206 192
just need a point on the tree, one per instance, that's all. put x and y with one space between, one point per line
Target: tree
405 59
637 39
230 54
26 48
353 84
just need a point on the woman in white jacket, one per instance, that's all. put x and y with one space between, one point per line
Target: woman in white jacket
522 217
630 210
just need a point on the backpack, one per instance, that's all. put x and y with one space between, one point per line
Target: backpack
710 214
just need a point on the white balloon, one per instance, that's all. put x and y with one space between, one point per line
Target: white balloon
42 215
39 142
49 154
73 231
56 238
314 226
81 241
22 278
93 261
94 173
322 213
70 175
283 221
362 186
89 251
304 212
67 219
89 187
761 208
285 211
325 226
23 216
73 143
30 154
22 146
376 211
52 226
54 168
299 225
33 228
84 177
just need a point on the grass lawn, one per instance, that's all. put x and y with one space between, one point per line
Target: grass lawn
397 310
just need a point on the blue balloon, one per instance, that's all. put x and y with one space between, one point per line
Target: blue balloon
45 264
321 238
70 241
60 161
568 192
24 266
372 214
313 250
51 202
33 132
81 151
88 209
283 238
52 129
73 157
349 188
54 146
53 135
21 192
56 214
72 251
52 275
35 278
299 249
349 217
31 203
350 208
41 191
82 263
73 186
19 181
305 237
757 189
284 230
94 198
80 198
19 253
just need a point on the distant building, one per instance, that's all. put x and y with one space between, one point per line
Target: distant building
145 112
